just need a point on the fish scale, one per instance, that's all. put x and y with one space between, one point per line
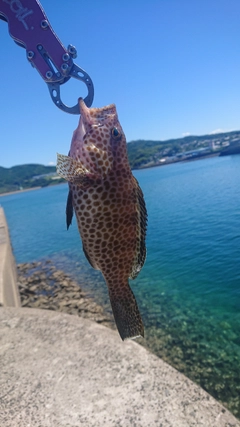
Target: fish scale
109 208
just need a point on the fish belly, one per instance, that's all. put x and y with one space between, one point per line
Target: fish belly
108 226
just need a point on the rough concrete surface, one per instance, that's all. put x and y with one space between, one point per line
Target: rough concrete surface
9 294
65 371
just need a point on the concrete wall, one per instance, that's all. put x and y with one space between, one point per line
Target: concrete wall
9 293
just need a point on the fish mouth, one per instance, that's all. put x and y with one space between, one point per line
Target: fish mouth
97 116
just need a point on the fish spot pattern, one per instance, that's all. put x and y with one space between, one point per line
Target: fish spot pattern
111 213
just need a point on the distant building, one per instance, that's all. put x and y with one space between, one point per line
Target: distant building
193 153
212 145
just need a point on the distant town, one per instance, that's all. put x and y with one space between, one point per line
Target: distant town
141 154
144 154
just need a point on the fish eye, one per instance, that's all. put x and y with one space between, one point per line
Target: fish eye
116 134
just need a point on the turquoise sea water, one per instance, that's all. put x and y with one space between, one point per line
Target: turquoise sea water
189 289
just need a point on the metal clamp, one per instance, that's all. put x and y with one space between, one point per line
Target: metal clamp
79 74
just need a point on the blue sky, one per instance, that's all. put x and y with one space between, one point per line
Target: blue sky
172 67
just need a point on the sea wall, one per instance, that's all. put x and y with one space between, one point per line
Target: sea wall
9 293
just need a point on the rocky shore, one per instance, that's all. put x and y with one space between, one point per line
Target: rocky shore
42 285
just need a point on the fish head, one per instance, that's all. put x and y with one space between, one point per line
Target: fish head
98 142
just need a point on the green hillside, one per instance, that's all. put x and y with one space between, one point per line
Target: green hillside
26 176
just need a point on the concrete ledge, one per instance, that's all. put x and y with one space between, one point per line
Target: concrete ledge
9 293
65 371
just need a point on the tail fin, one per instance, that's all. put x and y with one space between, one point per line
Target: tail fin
126 312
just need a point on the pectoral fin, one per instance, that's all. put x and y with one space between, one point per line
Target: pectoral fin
70 169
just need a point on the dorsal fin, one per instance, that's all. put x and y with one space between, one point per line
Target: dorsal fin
69 209
142 229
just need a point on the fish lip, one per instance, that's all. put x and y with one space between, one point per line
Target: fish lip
84 111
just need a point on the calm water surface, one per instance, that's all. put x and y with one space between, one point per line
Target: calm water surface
189 288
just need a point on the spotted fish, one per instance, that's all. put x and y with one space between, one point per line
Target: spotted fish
109 207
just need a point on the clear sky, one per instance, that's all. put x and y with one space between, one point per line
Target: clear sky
172 67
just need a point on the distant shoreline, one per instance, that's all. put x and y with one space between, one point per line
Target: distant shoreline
19 191
30 189
192 159
141 168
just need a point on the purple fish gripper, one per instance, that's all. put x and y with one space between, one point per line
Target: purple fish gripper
30 28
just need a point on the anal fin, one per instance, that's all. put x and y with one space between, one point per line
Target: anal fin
93 265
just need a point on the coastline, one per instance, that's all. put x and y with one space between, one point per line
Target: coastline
8 193
192 159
